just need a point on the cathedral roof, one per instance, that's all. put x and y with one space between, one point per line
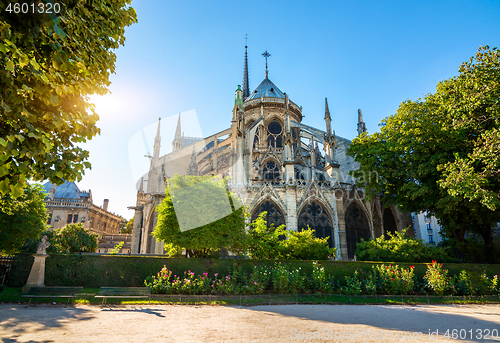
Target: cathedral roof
267 89
68 190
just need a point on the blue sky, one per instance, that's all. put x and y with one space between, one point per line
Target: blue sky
187 56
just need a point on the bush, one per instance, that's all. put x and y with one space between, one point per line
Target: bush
303 245
270 243
399 248
393 280
437 278
462 284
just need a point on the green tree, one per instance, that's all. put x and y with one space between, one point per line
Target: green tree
67 239
127 226
417 151
52 63
203 196
21 218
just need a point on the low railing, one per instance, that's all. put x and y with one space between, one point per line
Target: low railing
272 99
67 202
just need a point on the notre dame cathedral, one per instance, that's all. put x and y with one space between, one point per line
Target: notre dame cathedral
298 174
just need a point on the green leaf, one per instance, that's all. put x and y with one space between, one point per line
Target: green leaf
9 66
3 48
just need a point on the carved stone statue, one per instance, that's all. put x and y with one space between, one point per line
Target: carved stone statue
42 246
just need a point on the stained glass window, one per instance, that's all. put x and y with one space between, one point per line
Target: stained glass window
271 171
315 215
274 215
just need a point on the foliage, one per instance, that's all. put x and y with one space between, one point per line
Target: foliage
437 278
353 284
67 239
399 248
394 280
438 154
462 284
131 271
127 226
52 64
22 218
74 238
202 193
303 245
117 249
172 250
265 242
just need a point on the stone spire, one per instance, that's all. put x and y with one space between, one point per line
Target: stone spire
361 123
177 142
246 87
156 148
193 166
328 119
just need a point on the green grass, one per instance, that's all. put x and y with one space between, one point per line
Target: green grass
11 295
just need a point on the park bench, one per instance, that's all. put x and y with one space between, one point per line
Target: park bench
123 292
51 292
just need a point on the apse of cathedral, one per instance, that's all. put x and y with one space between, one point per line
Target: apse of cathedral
276 163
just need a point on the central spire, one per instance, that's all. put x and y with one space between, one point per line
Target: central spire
246 87
266 55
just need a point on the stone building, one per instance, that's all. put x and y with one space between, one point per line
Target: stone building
67 204
277 163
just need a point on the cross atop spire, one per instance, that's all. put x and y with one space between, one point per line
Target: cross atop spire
246 87
266 55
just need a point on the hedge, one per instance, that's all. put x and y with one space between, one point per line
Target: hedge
131 271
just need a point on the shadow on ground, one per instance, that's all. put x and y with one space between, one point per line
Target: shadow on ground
19 319
425 319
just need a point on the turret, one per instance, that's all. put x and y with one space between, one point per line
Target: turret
361 123
328 119
177 142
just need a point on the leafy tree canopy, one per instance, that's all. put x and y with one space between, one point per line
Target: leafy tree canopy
67 239
22 218
202 195
52 63
126 226
440 154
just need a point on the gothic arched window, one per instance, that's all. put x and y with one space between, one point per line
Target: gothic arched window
273 216
274 137
356 228
315 215
271 171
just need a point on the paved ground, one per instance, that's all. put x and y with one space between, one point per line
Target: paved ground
283 323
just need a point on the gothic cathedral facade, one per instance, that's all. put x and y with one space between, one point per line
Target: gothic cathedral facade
298 174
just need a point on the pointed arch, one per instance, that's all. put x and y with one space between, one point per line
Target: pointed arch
357 226
389 221
317 215
275 214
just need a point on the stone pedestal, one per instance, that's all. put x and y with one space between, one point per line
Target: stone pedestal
37 274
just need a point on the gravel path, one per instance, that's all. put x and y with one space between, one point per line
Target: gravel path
279 323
